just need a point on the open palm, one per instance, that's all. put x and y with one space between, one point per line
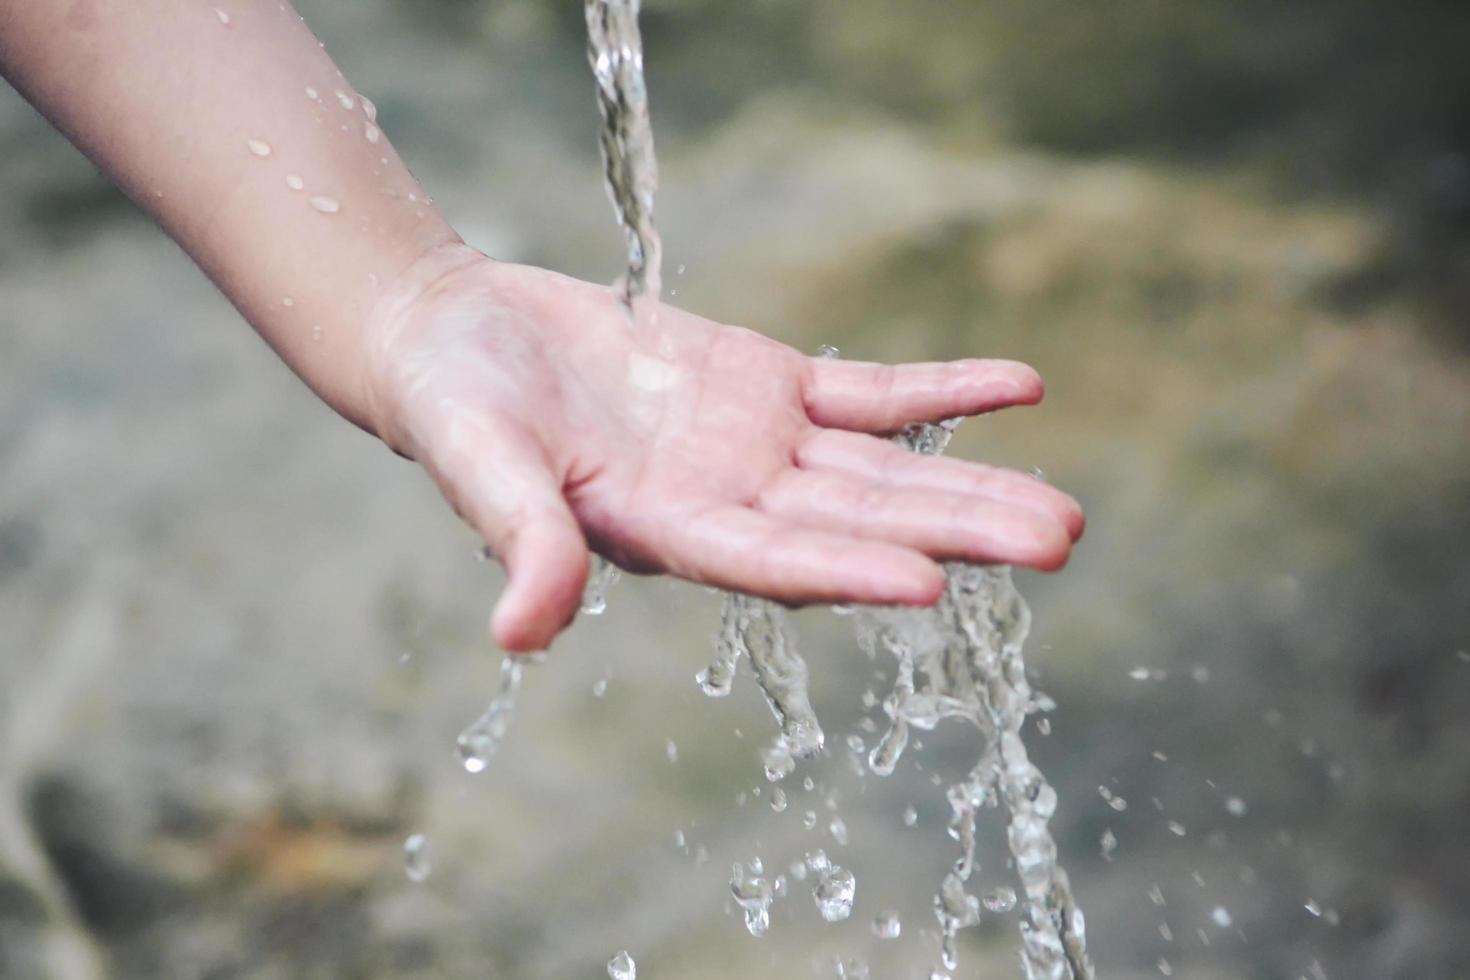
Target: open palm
551 421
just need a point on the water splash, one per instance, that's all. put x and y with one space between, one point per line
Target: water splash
963 659
479 742
615 51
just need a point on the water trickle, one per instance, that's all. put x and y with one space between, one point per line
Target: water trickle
615 51
326 205
760 632
594 596
622 967
416 863
258 147
834 893
478 743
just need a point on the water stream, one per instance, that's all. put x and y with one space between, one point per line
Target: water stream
961 659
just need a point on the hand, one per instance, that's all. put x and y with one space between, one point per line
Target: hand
550 421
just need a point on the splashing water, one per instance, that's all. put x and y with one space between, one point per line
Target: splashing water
615 51
479 742
961 659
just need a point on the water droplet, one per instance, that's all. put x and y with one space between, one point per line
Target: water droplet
854 968
369 107
1139 673
827 352
1235 806
1000 900
1108 844
346 101
316 331
258 147
1313 908
888 926
910 816
224 18
834 893
1176 828
809 819
1165 968
599 687
326 205
838 829
287 302
295 182
371 131
622 967
671 750
778 800
312 93
1221 917
416 858
754 895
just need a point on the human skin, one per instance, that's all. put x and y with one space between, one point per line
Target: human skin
549 418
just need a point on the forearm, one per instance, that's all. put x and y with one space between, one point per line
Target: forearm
230 124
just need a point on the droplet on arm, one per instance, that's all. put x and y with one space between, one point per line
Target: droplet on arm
295 182
258 147
326 205
224 18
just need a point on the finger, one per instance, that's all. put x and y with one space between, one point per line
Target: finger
941 523
884 398
743 550
882 461
499 480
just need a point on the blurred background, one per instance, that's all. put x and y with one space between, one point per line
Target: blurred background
1234 235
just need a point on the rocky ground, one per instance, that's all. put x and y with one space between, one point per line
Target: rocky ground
239 637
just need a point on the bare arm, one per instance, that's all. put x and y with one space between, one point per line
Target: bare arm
230 124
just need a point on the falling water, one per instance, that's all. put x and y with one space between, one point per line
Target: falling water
960 659
481 740
615 50
963 659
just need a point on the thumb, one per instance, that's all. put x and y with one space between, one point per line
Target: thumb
500 481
